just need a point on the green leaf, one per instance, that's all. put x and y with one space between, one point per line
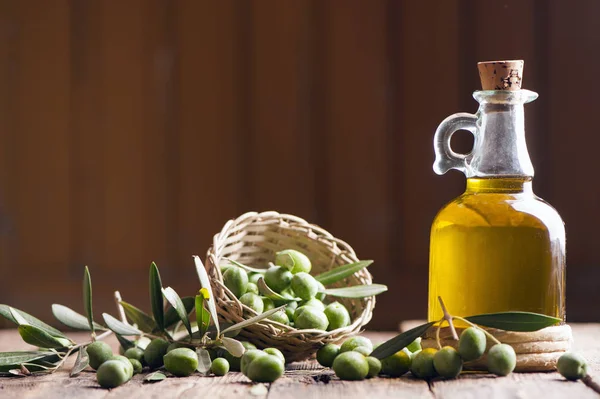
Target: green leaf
171 316
341 272
400 342
15 358
202 315
233 346
246 268
177 304
6 313
72 319
514 321
157 376
252 320
81 362
264 289
87 297
156 298
357 291
205 283
38 337
119 327
139 317
204 361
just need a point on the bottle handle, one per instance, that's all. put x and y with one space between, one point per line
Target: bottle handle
445 158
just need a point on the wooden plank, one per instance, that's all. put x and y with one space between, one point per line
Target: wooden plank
210 141
356 141
35 194
422 99
280 82
573 40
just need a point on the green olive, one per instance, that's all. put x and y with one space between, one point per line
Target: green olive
290 308
396 365
275 352
415 345
278 278
127 363
98 352
181 362
501 359
135 353
248 357
252 287
253 301
280 317
112 373
235 362
311 318
304 285
351 366
354 342
254 277
314 302
572 366
327 354
294 261
338 316
374 366
321 292
175 345
153 355
266 368
472 343
422 364
447 362
137 366
236 280
363 350
219 367
267 304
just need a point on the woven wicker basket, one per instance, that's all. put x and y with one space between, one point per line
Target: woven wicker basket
253 239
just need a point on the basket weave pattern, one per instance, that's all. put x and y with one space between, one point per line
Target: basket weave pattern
253 239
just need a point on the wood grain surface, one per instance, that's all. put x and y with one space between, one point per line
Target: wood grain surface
308 380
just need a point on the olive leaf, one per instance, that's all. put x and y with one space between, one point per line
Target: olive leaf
156 298
246 268
5 311
144 321
264 289
119 327
87 297
171 316
233 346
204 361
202 315
400 342
205 283
357 291
177 304
514 321
252 320
16 358
72 319
157 376
38 337
341 272
81 362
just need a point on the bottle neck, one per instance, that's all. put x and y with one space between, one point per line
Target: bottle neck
500 149
502 185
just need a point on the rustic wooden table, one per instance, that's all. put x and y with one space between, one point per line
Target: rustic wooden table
308 380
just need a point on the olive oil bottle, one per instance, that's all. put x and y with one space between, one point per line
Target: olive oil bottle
497 247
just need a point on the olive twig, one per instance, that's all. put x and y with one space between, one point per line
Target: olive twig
120 308
587 380
490 336
437 333
448 318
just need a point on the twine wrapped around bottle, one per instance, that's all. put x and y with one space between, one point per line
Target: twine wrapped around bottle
253 239
536 351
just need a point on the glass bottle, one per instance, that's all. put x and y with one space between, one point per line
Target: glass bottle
497 247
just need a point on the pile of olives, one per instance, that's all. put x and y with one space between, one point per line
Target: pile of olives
289 277
351 360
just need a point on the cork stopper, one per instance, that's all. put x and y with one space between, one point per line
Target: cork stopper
501 75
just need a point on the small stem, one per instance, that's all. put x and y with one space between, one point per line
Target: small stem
448 318
120 308
437 333
587 380
490 336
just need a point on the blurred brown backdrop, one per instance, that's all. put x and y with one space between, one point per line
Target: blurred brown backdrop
130 131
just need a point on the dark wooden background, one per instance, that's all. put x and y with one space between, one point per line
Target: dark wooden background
130 131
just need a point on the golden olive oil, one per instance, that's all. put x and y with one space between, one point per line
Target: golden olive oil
496 248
